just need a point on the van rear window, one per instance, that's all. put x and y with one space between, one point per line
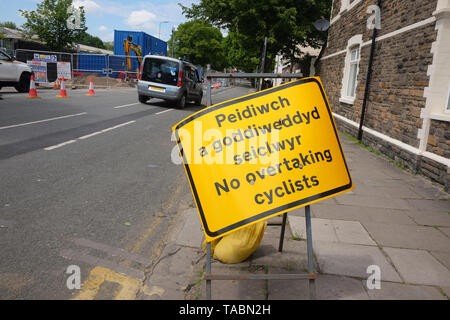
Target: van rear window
160 70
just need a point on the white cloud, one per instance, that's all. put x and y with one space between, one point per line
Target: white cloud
89 5
142 20
102 28
108 37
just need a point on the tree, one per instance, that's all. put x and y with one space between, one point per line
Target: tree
91 40
238 54
200 43
50 23
109 45
9 24
286 23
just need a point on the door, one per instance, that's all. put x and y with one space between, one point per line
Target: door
198 85
7 68
190 81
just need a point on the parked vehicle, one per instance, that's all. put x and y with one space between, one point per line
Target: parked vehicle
14 73
169 79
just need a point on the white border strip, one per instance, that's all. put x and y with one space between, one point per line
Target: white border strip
396 142
388 35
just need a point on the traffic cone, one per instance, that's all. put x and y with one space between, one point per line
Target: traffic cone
91 88
56 85
33 93
62 91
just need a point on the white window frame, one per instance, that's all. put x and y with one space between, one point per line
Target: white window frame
447 107
351 85
352 44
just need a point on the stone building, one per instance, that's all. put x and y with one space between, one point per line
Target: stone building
407 107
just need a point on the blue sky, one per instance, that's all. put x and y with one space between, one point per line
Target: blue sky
103 16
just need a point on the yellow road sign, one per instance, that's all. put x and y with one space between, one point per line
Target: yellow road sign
263 154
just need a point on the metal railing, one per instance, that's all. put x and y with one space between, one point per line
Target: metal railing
108 70
236 76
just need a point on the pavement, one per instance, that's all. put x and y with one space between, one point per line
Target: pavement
393 224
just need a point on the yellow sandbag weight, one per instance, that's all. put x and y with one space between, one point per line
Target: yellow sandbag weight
238 245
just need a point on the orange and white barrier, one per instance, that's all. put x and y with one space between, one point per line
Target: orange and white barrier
62 91
91 88
33 93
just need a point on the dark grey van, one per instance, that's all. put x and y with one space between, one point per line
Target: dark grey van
169 79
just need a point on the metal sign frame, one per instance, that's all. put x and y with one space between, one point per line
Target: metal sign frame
311 276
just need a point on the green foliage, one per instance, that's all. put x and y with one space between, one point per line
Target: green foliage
49 23
109 45
286 24
238 54
90 40
200 43
9 24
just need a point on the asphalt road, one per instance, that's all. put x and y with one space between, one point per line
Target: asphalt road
86 181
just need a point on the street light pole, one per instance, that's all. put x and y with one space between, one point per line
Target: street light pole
159 29
174 28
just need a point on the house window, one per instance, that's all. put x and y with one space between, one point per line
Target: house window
351 69
354 60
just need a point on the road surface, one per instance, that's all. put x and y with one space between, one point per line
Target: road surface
89 182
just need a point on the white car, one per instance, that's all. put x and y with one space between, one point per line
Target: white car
14 73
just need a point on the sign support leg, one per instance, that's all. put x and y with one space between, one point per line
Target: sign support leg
283 227
312 284
208 92
208 270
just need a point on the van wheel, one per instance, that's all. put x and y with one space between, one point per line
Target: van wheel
24 83
143 98
182 102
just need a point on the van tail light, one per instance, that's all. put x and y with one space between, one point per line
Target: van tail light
140 71
180 78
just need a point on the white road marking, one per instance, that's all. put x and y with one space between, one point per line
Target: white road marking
60 145
88 135
105 130
163 111
44 120
127 105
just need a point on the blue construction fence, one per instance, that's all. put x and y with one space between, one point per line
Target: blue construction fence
105 65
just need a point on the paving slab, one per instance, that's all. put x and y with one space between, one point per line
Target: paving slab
328 287
360 213
430 218
293 257
322 229
446 291
331 230
401 291
446 231
407 236
172 273
443 257
419 267
234 289
352 260
352 232
430 205
374 201
191 234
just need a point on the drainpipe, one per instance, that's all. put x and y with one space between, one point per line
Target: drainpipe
369 75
